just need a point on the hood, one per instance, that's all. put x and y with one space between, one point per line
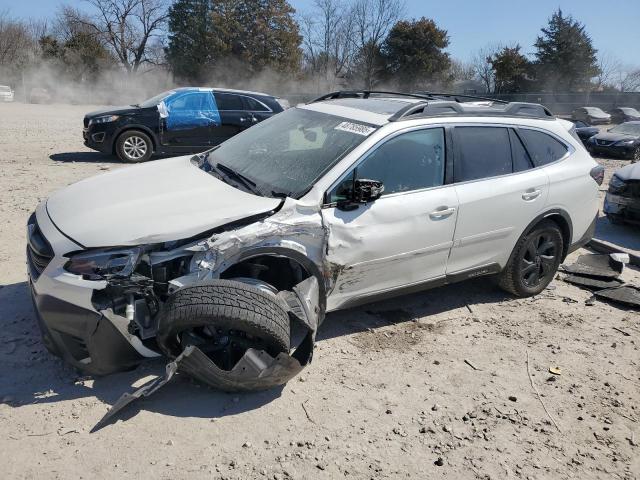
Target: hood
630 172
113 111
614 137
154 202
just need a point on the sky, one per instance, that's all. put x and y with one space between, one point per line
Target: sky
614 25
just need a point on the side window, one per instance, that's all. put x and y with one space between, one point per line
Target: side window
543 148
228 101
410 161
481 152
521 159
253 105
189 102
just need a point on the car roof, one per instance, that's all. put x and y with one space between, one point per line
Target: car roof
224 90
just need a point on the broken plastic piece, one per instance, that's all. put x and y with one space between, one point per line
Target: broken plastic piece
593 283
603 266
627 295
555 370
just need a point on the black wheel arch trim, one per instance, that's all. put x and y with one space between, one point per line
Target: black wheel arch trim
566 229
134 126
294 255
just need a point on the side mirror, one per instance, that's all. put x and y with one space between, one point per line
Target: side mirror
364 191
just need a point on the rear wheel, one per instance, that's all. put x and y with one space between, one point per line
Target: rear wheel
223 319
134 146
534 261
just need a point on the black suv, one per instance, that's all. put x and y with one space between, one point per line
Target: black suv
179 121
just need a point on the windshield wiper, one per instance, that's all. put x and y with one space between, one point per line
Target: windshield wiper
230 172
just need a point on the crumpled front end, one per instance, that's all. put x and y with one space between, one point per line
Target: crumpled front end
100 308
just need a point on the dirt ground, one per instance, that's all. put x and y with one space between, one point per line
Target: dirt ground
440 384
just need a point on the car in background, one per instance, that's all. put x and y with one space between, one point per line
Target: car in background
591 115
179 121
621 141
40 95
624 114
585 131
622 203
6 94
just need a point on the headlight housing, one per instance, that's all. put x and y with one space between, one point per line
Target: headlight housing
616 185
625 142
101 264
103 119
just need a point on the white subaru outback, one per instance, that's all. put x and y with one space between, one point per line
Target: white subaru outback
219 260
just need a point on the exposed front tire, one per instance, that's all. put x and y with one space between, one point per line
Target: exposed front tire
134 146
534 261
635 155
223 319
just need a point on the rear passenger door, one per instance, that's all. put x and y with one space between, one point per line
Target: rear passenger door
499 192
234 115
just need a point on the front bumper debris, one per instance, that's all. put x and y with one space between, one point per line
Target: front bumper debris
256 370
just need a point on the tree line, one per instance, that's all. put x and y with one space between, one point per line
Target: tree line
363 44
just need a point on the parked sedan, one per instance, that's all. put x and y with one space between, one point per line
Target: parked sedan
585 131
591 115
622 203
620 141
624 114
6 94
179 121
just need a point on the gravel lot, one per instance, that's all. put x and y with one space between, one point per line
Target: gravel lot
389 395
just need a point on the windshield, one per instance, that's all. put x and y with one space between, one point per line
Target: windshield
629 111
286 154
627 129
594 110
153 101
4 88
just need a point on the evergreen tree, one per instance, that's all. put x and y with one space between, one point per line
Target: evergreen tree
566 58
194 40
231 34
414 53
510 70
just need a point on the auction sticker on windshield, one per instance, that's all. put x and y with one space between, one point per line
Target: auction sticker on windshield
356 128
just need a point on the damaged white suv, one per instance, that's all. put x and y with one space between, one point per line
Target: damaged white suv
213 260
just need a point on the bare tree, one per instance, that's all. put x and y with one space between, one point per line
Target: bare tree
127 26
328 42
373 19
16 42
629 79
609 67
462 71
482 65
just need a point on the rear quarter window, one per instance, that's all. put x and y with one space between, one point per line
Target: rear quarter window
542 148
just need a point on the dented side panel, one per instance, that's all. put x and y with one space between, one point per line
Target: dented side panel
374 249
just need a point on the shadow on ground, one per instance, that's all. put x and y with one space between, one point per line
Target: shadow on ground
32 376
84 157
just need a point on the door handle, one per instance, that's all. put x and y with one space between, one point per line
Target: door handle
442 212
531 194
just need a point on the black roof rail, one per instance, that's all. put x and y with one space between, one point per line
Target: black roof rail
452 108
366 94
456 96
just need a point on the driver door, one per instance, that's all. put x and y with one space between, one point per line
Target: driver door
403 238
